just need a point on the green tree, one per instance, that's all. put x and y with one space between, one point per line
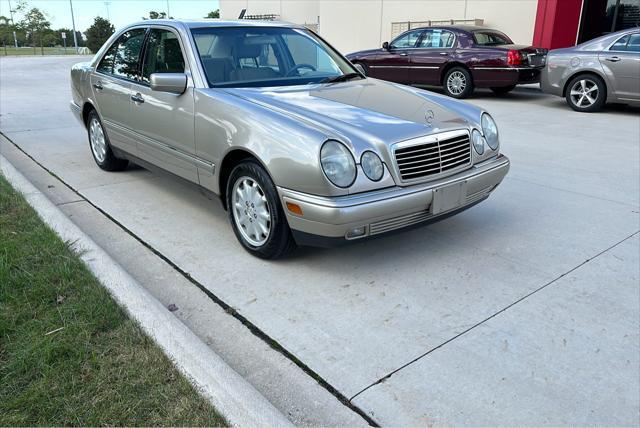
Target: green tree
35 24
156 15
213 14
98 33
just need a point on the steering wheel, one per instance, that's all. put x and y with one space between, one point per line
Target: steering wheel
298 67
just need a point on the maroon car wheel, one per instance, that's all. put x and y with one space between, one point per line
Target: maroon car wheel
458 83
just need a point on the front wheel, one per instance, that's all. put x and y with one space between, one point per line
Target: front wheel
256 214
586 93
458 83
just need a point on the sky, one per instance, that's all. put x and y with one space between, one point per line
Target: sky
120 12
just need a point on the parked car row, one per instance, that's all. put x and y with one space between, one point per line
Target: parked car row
462 58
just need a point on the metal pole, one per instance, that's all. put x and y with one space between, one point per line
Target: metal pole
168 14
73 22
11 13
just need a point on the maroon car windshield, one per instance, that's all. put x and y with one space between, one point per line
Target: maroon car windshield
490 38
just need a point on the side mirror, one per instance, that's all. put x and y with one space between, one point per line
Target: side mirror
385 46
175 83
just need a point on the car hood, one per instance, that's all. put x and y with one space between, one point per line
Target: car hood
370 109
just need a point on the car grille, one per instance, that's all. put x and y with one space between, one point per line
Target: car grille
433 157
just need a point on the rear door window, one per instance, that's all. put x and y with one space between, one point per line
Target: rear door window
620 44
436 39
127 54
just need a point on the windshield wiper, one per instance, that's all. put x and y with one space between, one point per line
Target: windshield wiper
341 78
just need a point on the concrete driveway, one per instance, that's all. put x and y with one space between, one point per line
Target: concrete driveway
522 310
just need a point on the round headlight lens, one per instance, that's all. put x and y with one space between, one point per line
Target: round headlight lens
478 141
372 166
337 163
490 130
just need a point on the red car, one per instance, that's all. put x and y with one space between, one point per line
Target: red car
458 58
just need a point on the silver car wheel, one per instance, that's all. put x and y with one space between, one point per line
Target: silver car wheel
456 82
97 140
251 211
584 93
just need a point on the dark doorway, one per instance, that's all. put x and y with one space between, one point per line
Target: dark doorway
606 16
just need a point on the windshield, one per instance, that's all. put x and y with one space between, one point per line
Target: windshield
266 56
491 38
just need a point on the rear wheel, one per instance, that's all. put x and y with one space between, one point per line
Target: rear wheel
256 214
100 146
458 83
586 93
501 90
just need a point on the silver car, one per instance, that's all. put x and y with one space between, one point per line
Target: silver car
300 147
606 69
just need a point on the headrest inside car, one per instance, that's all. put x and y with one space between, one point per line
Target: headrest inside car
248 51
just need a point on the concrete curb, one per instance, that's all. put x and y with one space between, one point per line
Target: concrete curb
230 394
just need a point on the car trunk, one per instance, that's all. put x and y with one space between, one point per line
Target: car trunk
531 56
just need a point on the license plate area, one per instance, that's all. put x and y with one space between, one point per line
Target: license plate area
449 197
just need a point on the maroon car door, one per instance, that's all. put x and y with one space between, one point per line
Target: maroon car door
434 49
393 63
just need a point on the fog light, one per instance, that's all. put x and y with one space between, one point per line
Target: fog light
356 232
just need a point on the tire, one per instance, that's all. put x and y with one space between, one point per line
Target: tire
580 93
458 83
100 146
251 193
502 90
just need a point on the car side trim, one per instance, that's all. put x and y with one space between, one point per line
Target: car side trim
404 66
170 150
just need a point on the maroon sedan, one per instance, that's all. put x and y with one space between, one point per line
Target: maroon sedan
458 58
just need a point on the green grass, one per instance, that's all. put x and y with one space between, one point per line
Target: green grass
12 50
68 354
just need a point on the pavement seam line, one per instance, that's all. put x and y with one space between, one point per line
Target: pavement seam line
384 378
255 330
231 395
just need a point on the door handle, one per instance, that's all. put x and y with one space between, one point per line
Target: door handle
137 98
614 59
98 85
444 53
402 54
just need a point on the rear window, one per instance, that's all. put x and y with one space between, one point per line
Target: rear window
490 38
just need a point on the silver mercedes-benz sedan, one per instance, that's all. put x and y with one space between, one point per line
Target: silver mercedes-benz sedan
606 69
301 148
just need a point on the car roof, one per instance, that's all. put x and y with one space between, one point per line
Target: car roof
461 27
206 23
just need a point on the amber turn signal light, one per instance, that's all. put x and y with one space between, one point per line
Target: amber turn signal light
294 208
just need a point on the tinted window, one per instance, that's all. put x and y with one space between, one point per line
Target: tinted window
106 65
163 54
436 39
128 53
490 38
254 56
406 40
634 43
620 44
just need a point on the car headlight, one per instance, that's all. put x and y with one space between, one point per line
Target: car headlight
372 166
337 163
478 141
490 131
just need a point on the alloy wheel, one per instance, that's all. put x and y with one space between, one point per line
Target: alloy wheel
456 82
584 93
98 141
251 211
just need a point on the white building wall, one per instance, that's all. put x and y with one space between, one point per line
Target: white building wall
352 25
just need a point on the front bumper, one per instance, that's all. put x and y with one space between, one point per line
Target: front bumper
326 221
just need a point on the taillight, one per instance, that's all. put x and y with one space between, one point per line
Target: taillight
514 57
